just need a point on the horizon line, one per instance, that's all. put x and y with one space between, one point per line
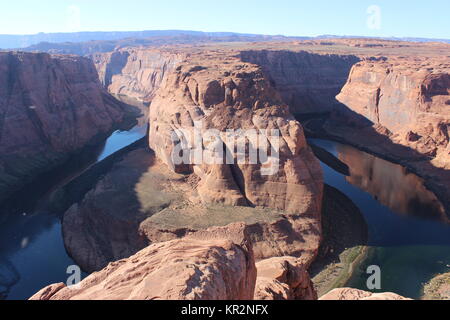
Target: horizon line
226 32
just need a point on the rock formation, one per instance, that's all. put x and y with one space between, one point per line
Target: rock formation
135 73
218 90
438 288
50 106
308 82
355 294
408 97
222 93
217 264
283 278
140 201
148 198
402 90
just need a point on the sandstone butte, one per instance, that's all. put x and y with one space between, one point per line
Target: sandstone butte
261 86
50 107
222 92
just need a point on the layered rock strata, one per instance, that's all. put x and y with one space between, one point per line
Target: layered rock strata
308 82
223 94
410 98
50 106
135 73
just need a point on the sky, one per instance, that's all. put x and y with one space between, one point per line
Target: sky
385 18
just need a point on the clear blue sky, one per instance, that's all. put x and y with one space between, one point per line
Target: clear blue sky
411 18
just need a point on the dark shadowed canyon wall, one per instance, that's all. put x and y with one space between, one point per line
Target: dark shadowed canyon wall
135 73
50 106
307 82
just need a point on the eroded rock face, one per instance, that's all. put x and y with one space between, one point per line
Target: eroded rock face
355 294
50 106
308 82
216 264
223 93
135 73
409 97
284 278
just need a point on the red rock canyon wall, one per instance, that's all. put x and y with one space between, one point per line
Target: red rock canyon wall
409 97
49 106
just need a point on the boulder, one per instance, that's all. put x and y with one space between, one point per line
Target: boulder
284 278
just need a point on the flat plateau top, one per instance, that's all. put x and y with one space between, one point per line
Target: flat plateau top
357 47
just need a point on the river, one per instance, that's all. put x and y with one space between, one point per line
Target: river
409 232
32 252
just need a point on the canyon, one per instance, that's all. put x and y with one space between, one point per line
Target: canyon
214 230
50 107
386 97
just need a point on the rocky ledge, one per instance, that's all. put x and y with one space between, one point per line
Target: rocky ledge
217 264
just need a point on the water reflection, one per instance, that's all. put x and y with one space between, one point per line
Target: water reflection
391 185
409 233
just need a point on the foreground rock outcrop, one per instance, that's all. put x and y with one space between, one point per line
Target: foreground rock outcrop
355 294
50 106
438 288
217 264
284 278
